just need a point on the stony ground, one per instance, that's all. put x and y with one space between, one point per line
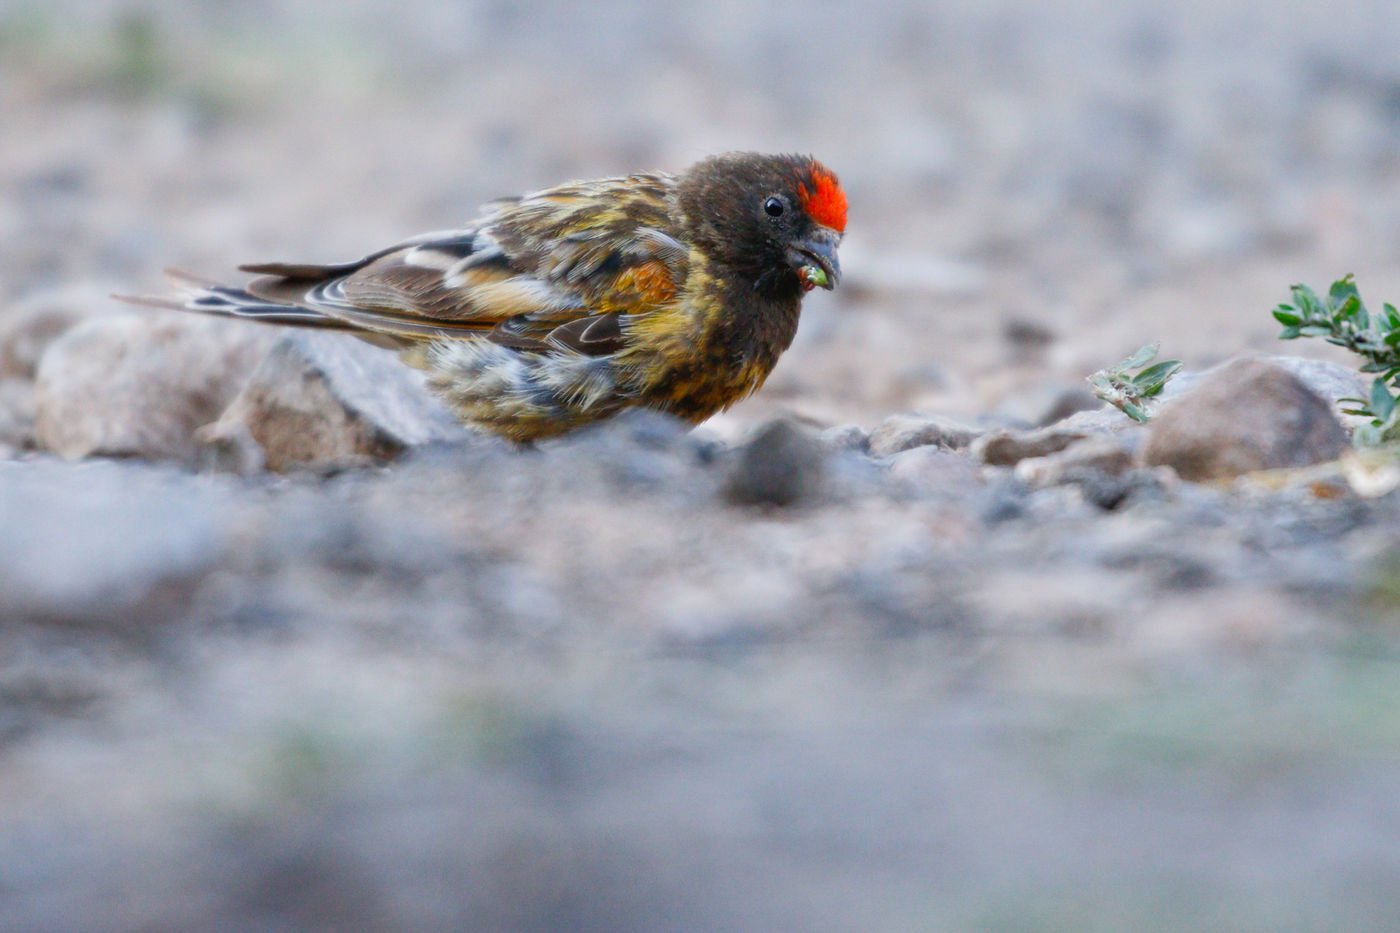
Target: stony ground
877 650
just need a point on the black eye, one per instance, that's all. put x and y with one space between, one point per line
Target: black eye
773 207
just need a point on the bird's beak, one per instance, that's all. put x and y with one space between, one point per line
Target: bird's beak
814 258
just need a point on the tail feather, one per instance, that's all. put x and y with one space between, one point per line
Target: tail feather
206 297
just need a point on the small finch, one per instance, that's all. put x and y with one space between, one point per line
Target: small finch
566 306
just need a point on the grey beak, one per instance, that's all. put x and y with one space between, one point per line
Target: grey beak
818 249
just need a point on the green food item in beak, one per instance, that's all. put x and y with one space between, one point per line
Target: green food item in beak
814 275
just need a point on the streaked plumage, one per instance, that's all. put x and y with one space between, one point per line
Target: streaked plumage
570 304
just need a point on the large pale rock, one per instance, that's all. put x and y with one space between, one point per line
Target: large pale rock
1246 415
1330 380
31 324
139 385
321 400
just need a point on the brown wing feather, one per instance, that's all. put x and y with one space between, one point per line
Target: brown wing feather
558 269
597 335
392 284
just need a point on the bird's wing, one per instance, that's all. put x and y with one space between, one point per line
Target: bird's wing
558 268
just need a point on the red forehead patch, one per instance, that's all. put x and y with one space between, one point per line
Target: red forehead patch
827 204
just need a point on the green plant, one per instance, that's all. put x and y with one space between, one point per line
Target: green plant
1128 391
1342 319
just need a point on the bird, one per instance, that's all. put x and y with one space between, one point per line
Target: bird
566 306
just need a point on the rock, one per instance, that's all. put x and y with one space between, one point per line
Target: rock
782 465
642 428
320 400
1024 332
1102 420
1099 466
1027 336
934 468
1091 454
852 475
1329 380
1001 501
637 449
902 432
1005 448
28 327
229 447
846 437
136 385
16 413
1246 415
103 544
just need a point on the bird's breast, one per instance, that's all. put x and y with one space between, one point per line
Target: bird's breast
714 353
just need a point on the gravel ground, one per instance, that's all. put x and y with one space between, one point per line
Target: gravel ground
639 679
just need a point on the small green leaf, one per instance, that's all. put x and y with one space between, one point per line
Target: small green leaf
1315 330
1135 412
1349 306
1367 435
1151 380
1289 333
1125 390
1382 403
1286 317
1342 289
1307 301
1392 317
1142 357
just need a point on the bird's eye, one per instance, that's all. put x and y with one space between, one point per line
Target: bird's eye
773 207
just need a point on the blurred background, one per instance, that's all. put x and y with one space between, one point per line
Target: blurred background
423 699
1044 184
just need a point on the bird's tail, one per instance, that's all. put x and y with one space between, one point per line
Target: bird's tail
207 297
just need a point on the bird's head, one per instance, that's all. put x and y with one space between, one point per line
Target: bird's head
774 219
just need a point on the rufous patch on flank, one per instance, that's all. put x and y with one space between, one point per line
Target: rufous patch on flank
651 282
827 204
